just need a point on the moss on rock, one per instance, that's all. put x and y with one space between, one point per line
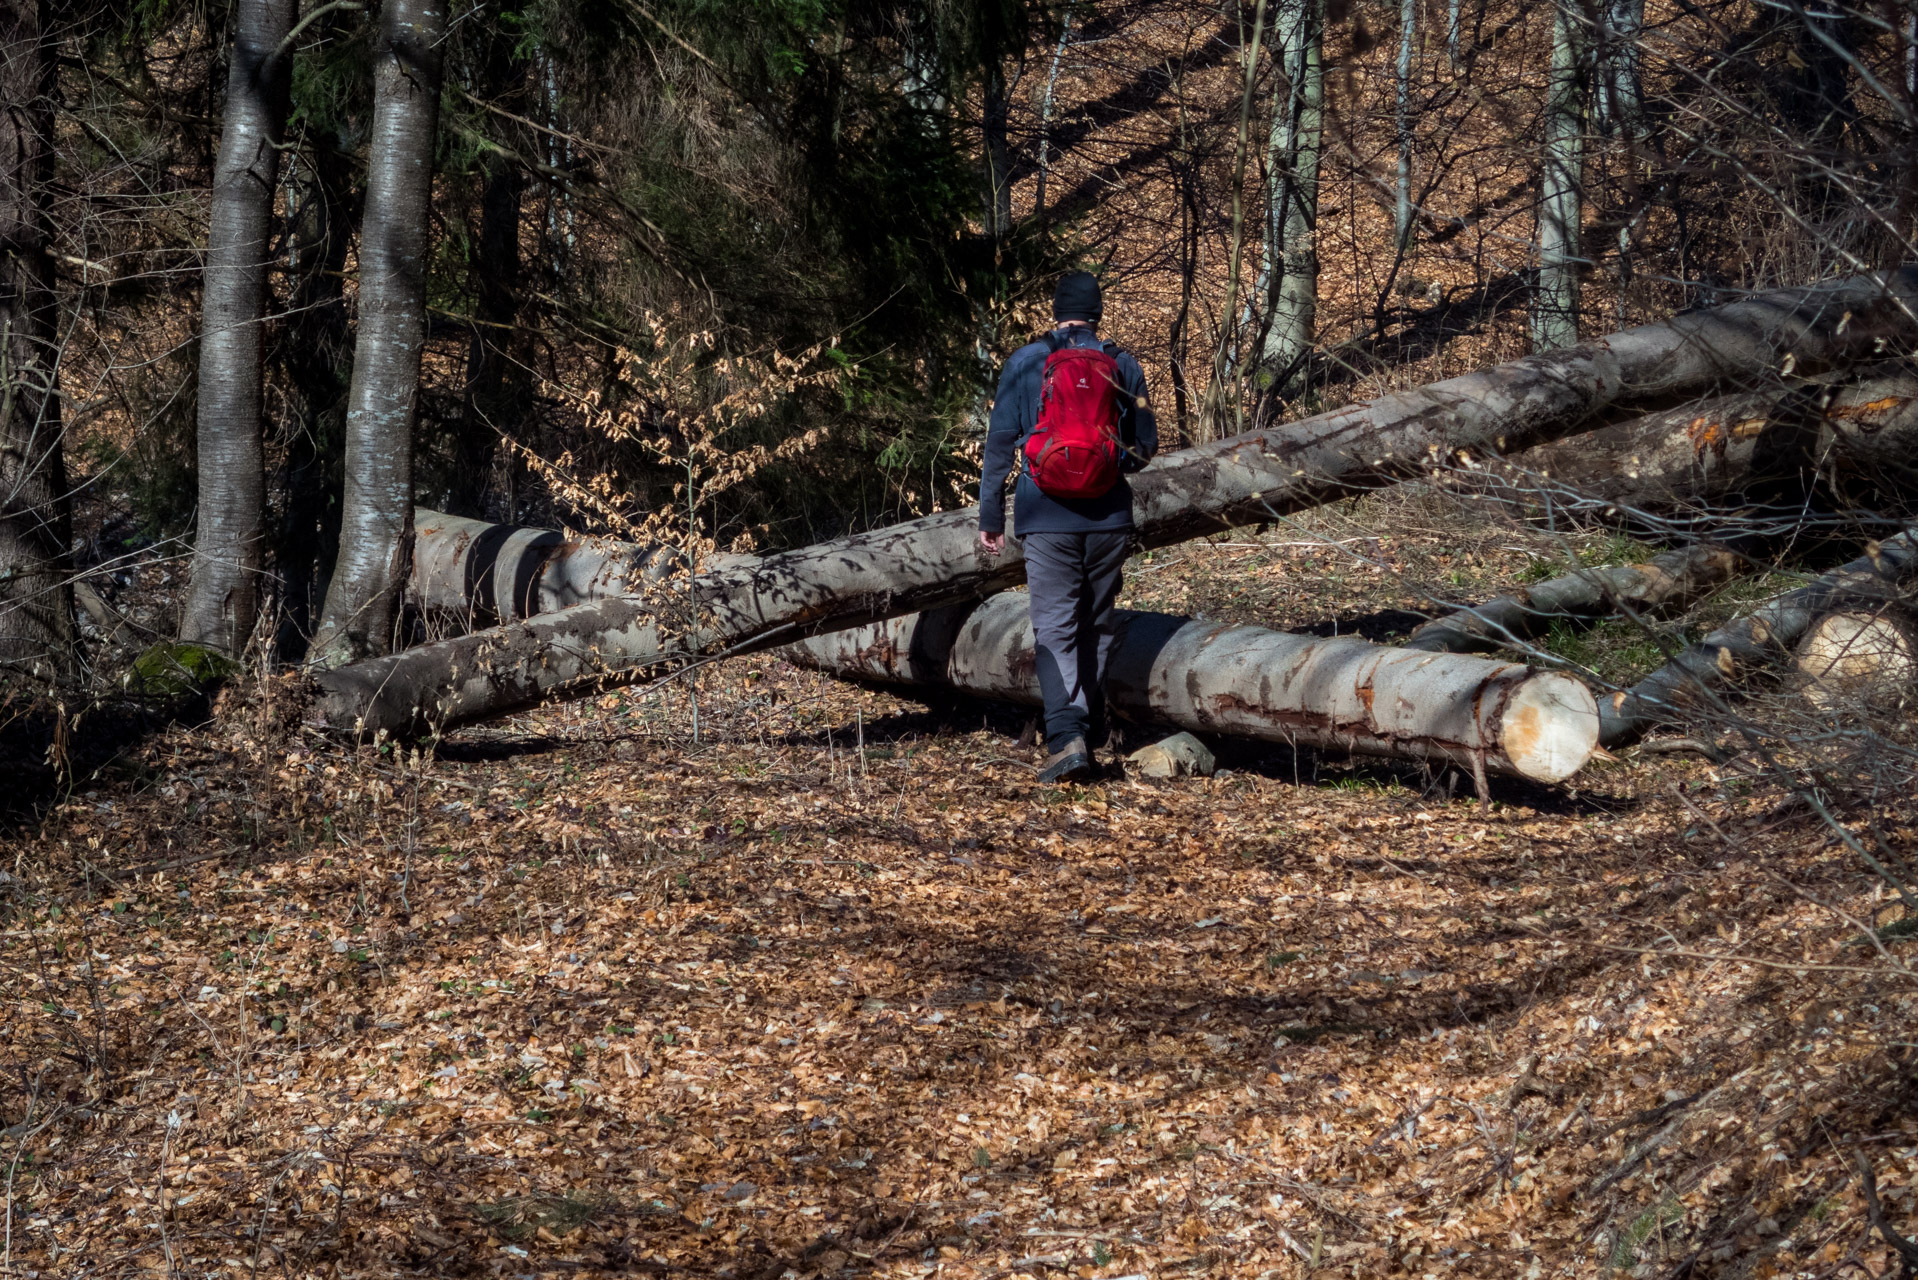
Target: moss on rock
169 672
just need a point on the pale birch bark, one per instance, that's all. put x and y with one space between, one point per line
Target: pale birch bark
1045 117
936 560
1290 269
1402 127
1620 99
1341 694
1555 302
376 523
1694 679
229 540
467 571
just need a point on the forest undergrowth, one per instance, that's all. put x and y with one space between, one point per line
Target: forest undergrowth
814 981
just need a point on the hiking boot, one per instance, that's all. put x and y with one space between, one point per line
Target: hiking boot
1072 763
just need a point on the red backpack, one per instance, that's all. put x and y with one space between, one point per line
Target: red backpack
1074 450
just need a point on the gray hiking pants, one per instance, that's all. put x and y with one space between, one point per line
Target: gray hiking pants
1073 581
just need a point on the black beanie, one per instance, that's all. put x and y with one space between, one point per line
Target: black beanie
1077 298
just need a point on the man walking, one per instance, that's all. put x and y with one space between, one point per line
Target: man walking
1072 409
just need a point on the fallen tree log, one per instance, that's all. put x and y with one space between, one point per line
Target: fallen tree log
1341 694
1725 451
1857 656
1883 577
1672 579
470 570
925 563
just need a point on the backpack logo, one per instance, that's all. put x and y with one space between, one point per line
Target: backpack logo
1074 450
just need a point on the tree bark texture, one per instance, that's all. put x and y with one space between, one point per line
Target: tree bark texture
1339 694
229 542
1241 479
1561 178
1669 580
1885 577
317 354
998 155
38 632
1728 451
362 601
1291 261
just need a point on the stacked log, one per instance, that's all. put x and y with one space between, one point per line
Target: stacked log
1340 694
1883 578
469 570
1720 452
935 561
1856 656
1671 580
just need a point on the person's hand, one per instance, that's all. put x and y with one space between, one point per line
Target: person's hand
994 543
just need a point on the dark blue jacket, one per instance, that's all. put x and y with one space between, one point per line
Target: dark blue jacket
1016 412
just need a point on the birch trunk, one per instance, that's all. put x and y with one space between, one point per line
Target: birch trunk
1402 127
38 632
1291 266
1560 205
362 601
1620 95
229 541
1670 580
1340 694
1693 680
926 563
1045 118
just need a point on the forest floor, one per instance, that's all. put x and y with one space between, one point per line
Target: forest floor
580 995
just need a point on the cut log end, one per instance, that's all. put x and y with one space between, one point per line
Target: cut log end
1856 656
1550 727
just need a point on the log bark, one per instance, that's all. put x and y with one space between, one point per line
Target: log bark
470 571
1856 656
1340 694
1885 576
376 526
1721 452
229 539
1669 580
936 560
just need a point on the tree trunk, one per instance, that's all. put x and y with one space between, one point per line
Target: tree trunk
1669 581
37 627
1560 203
1341 694
1693 680
1402 128
1620 99
936 560
317 353
997 155
229 548
1702 459
1045 118
362 601
1291 266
